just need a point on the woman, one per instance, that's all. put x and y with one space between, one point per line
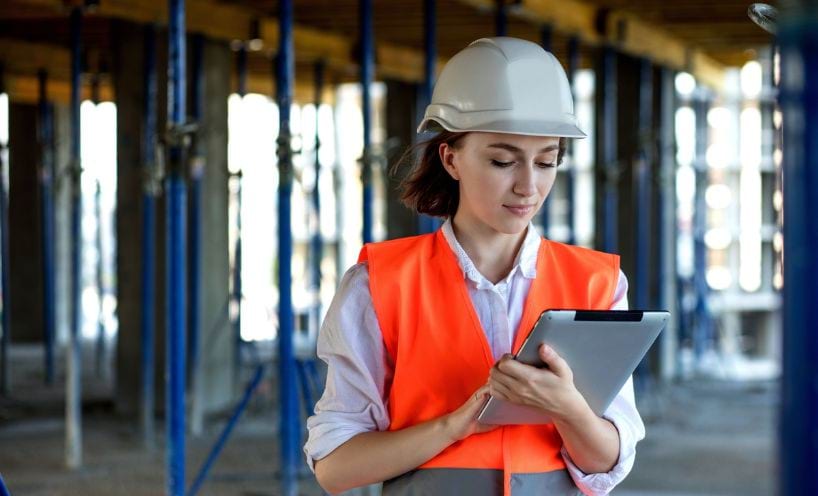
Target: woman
421 329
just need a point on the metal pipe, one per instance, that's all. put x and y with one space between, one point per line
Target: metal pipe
241 70
427 223
194 273
367 74
798 37
570 174
702 332
216 450
176 251
73 406
5 285
609 148
644 179
545 212
501 19
317 243
288 397
3 489
150 189
47 221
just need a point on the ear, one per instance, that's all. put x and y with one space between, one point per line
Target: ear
447 158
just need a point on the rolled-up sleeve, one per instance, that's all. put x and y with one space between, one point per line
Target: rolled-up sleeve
351 344
623 414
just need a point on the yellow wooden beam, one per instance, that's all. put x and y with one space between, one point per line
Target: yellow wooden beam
26 89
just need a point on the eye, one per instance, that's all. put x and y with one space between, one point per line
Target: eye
498 163
544 165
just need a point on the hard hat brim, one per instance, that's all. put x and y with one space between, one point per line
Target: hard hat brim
527 128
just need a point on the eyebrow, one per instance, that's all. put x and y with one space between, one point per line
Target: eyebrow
512 148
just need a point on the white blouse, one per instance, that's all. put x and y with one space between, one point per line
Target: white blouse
351 344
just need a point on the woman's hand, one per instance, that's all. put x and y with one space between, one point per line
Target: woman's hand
550 389
462 422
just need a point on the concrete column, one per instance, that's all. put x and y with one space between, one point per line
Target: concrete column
128 47
214 379
25 226
401 109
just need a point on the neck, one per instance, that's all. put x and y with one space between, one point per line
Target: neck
492 252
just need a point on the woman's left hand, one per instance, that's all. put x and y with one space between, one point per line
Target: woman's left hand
550 389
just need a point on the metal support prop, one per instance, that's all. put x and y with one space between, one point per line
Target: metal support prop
643 191
666 215
570 174
367 74
317 243
150 188
702 332
5 285
545 212
427 223
3 489
501 19
241 69
176 251
225 435
73 387
798 38
47 220
643 179
610 159
196 170
288 396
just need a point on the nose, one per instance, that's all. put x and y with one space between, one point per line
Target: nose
524 182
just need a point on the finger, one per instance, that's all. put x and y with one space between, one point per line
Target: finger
512 367
497 376
554 361
501 391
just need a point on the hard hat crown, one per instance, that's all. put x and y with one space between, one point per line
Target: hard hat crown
504 85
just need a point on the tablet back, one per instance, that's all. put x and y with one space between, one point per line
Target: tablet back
603 348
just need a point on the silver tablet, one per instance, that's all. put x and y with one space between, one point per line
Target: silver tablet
603 348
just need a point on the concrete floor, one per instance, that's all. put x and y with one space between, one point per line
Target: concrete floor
703 438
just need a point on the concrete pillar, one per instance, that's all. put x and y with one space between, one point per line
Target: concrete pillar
401 110
128 48
214 380
25 226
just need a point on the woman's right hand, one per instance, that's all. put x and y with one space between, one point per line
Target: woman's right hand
462 422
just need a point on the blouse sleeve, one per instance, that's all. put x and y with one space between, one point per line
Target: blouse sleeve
351 344
623 414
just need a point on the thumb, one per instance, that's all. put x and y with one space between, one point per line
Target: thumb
555 362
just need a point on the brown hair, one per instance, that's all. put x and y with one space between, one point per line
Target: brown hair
428 188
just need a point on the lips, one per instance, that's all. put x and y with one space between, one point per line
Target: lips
520 210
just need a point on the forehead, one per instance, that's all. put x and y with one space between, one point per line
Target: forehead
530 144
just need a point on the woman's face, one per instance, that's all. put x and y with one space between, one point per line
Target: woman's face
503 178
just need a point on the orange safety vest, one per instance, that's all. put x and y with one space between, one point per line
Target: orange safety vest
441 356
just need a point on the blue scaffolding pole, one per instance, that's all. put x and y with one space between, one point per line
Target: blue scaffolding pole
73 407
175 253
501 19
798 38
288 397
241 70
546 35
426 223
150 188
317 243
702 332
47 220
367 74
5 286
196 169
609 149
570 174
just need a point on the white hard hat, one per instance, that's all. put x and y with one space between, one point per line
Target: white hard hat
503 85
